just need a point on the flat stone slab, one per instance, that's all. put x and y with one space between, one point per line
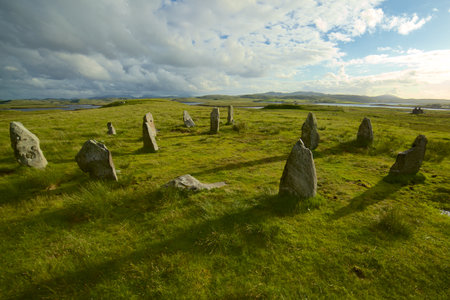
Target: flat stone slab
188 182
94 158
26 146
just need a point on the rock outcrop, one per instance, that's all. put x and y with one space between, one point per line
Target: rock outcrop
26 146
310 134
299 175
95 159
188 122
188 182
215 120
365 133
408 162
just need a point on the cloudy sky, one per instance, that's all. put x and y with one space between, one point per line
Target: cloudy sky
85 48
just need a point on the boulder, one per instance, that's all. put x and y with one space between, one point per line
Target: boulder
417 111
148 137
95 159
26 146
310 135
111 129
215 120
408 162
230 118
148 118
188 122
299 175
365 133
188 182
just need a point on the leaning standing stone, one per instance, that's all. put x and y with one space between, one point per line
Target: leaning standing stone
111 129
230 119
365 133
299 175
148 118
215 119
188 122
149 139
310 135
26 146
408 162
95 159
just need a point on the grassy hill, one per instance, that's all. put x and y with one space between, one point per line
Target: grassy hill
67 236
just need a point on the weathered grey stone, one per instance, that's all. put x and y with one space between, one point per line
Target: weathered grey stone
148 118
310 135
417 111
148 136
215 120
95 159
299 175
189 182
365 133
188 122
111 129
26 146
230 118
408 162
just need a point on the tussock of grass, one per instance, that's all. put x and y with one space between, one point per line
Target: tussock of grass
395 223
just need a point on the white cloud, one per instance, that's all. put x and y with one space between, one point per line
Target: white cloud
404 25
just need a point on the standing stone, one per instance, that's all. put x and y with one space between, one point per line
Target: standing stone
408 162
188 122
95 159
310 135
26 146
215 119
149 139
148 118
111 129
299 175
365 133
230 119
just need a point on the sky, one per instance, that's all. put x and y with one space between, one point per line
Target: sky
135 48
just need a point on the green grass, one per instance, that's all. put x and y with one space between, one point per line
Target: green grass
364 236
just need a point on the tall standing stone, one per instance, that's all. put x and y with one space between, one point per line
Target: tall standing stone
365 133
111 129
408 162
26 146
230 118
215 119
148 118
148 136
188 122
95 159
310 134
299 175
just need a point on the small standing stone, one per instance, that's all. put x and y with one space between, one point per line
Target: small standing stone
26 146
230 118
365 133
149 139
111 129
148 118
215 120
95 159
310 134
189 182
417 111
408 162
188 122
299 175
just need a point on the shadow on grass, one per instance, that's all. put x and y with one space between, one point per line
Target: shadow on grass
239 165
385 187
347 147
229 234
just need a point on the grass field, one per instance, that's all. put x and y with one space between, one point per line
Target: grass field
64 235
